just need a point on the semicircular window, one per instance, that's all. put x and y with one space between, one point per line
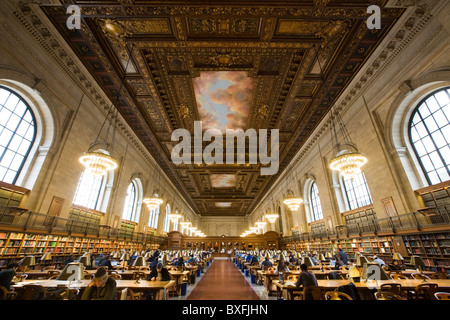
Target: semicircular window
17 134
429 133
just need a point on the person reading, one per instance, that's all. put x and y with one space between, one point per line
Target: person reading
159 273
101 287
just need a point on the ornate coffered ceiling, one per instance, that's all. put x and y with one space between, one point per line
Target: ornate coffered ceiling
281 46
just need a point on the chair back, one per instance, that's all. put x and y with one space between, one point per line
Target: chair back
396 276
3 293
442 295
392 287
48 268
52 274
387 295
122 294
419 276
426 291
337 295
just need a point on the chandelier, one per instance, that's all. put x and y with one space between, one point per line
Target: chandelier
260 224
174 217
348 162
98 160
253 229
292 202
185 224
271 217
153 202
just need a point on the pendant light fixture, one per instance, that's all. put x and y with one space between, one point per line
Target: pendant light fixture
347 160
271 217
98 159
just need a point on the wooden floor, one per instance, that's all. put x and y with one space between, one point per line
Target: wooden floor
223 281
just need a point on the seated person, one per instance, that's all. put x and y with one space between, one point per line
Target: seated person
101 287
254 260
154 263
68 260
292 259
159 273
106 262
308 280
396 266
7 275
378 260
338 262
266 264
180 262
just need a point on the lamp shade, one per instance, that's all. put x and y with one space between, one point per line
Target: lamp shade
417 261
307 260
85 261
73 271
328 255
361 261
397 256
374 271
46 256
28 261
125 256
321 257
148 254
353 272
139 262
117 255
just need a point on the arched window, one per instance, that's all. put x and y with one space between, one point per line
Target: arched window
357 191
316 208
166 219
429 133
131 203
89 191
17 134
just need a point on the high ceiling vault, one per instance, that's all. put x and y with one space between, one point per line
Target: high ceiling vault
229 65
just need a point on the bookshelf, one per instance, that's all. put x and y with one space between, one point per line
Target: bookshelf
434 248
14 246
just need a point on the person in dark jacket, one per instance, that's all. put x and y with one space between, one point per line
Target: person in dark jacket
7 275
254 260
159 273
180 262
308 280
68 260
101 287
106 262
292 259
343 256
266 264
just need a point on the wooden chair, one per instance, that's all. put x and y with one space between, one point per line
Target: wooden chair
33 292
301 295
122 294
424 291
21 277
439 275
442 295
7 295
338 273
419 276
395 288
396 276
48 268
52 274
337 295
116 276
134 295
139 274
387 295
343 268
